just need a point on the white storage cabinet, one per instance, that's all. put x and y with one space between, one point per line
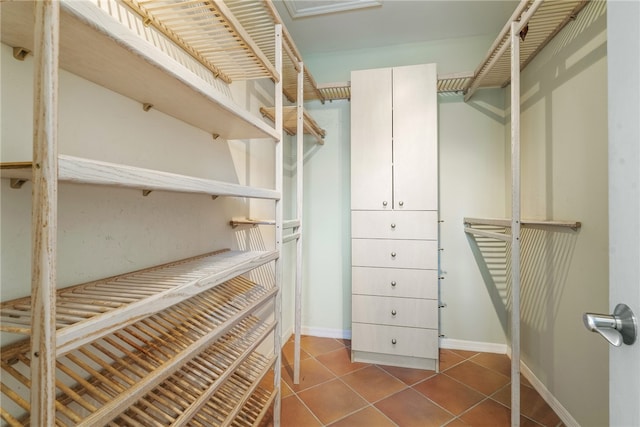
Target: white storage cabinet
394 216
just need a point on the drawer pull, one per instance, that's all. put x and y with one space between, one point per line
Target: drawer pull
393 254
393 284
393 225
393 341
393 312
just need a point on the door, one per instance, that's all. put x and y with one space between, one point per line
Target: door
415 137
623 56
371 133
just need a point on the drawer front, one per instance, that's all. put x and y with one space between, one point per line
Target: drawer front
395 340
394 282
420 254
412 312
409 225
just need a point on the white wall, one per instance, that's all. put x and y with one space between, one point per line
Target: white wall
564 177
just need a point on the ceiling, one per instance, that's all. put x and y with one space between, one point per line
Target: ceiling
393 22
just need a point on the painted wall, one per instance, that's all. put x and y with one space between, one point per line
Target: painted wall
564 177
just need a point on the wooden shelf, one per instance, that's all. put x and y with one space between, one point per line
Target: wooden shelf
161 369
544 22
110 45
84 171
88 311
250 221
290 122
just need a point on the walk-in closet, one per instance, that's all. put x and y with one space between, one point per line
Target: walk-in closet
319 213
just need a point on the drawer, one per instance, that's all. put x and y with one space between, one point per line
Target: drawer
395 340
416 313
420 254
396 282
409 225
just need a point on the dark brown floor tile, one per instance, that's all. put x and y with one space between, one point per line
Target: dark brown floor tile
339 361
448 359
532 405
496 362
449 393
288 353
409 408
312 373
368 417
478 377
491 413
373 383
407 375
295 414
316 346
331 401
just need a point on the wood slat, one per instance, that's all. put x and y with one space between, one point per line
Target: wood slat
165 285
153 370
290 122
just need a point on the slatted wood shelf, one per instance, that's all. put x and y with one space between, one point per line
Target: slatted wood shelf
85 171
290 122
87 311
172 363
546 19
106 43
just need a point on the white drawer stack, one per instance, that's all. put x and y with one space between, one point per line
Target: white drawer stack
395 288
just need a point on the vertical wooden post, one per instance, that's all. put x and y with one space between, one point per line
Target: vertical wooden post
515 224
299 208
278 219
44 213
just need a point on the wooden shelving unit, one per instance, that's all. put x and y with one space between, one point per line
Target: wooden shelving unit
174 344
290 122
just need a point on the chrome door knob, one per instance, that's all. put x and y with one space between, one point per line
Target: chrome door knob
393 341
393 284
393 312
621 327
384 203
393 225
401 203
393 254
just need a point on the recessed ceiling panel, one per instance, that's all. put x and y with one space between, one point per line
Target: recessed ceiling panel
302 8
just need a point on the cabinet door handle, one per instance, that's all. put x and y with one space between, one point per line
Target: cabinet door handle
384 203
393 254
393 312
393 284
393 341
401 203
393 225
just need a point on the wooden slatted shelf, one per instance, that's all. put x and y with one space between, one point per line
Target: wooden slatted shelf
88 311
167 364
290 122
104 42
84 171
544 23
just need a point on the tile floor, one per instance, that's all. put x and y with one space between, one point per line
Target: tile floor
471 389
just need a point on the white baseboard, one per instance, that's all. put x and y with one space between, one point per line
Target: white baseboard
485 347
326 332
551 400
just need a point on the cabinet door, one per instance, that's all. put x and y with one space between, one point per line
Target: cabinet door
371 139
415 137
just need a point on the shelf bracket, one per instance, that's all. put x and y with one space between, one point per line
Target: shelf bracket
145 193
20 53
17 183
146 106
